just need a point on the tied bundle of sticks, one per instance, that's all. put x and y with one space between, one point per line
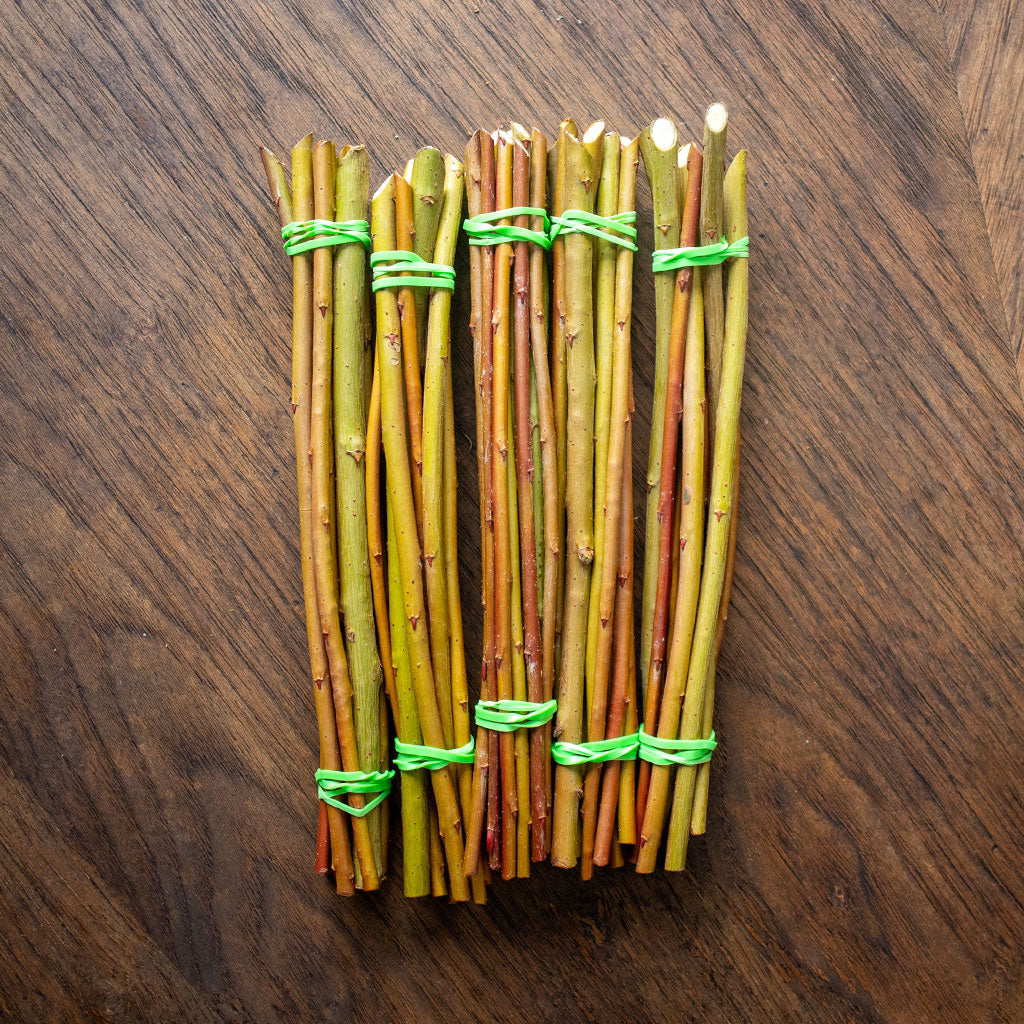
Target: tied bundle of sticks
595 188
414 224
693 477
517 472
322 212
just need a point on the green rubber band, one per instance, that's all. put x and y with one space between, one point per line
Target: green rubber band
415 269
509 715
617 748
700 255
482 229
331 786
303 235
581 221
411 757
684 752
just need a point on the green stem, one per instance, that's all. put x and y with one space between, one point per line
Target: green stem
614 792
605 257
580 187
658 147
352 196
434 401
558 364
415 859
427 177
698 820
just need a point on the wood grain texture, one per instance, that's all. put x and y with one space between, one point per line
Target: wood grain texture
863 858
986 43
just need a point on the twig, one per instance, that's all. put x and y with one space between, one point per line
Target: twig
580 186
481 338
549 468
499 478
623 653
519 690
409 315
352 196
711 213
691 536
658 147
698 820
439 488
559 387
375 540
666 489
426 174
605 255
416 863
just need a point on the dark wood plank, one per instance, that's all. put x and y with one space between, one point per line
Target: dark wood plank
69 950
986 43
863 860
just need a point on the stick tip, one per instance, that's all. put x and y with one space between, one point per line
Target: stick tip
593 133
717 117
663 134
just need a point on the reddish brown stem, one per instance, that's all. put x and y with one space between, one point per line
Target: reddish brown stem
486 808
481 766
670 445
549 467
524 473
487 201
559 384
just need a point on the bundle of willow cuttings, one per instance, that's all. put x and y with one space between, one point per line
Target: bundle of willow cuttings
692 501
322 213
520 544
559 763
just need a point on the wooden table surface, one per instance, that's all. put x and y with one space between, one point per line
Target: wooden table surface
863 861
